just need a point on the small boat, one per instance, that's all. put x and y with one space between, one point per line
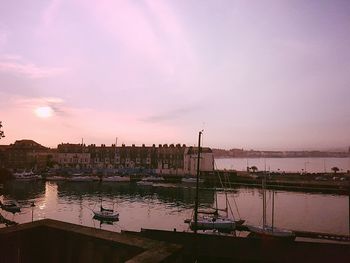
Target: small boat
271 232
219 223
105 214
144 183
82 178
116 178
191 180
26 176
212 220
55 178
153 179
10 206
266 231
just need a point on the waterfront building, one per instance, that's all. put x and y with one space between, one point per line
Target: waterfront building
102 157
163 160
27 154
73 156
206 162
171 159
136 157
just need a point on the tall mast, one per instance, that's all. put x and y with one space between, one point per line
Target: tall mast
264 197
273 207
197 182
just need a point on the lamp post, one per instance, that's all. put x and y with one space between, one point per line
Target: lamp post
32 206
305 166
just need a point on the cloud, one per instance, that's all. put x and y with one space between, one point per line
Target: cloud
50 13
56 104
14 64
147 31
170 115
3 37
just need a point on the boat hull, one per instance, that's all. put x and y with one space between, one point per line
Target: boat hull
116 179
220 224
13 207
106 215
269 232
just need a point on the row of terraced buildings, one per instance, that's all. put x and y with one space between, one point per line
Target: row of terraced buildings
162 159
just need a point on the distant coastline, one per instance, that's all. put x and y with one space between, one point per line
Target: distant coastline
241 153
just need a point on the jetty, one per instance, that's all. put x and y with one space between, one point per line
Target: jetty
323 183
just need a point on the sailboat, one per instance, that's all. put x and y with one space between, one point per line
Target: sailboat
105 214
214 221
266 231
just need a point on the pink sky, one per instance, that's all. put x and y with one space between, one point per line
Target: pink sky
252 74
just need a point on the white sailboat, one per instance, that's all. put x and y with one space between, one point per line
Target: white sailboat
266 231
213 221
105 214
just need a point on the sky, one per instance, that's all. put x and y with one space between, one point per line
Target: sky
269 75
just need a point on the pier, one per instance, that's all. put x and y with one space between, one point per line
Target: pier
287 182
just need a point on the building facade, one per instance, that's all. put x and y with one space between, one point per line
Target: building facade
206 163
163 159
26 155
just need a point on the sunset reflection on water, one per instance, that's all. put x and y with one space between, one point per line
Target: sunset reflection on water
167 206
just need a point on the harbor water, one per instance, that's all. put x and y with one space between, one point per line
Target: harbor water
166 206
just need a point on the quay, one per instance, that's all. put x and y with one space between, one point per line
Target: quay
54 241
224 248
289 181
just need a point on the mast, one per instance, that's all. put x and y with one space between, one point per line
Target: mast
264 203
273 208
264 197
197 182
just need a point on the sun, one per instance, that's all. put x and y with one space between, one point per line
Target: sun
44 112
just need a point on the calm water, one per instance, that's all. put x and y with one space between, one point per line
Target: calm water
285 164
165 206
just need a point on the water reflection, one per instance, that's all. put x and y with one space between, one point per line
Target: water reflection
165 206
167 193
22 191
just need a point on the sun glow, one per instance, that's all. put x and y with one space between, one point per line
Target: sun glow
43 112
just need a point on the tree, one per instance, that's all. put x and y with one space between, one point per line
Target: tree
335 169
254 168
2 135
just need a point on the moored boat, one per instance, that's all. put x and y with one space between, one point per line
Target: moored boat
26 176
271 232
106 215
82 178
153 179
191 180
144 183
116 178
219 223
55 178
10 206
